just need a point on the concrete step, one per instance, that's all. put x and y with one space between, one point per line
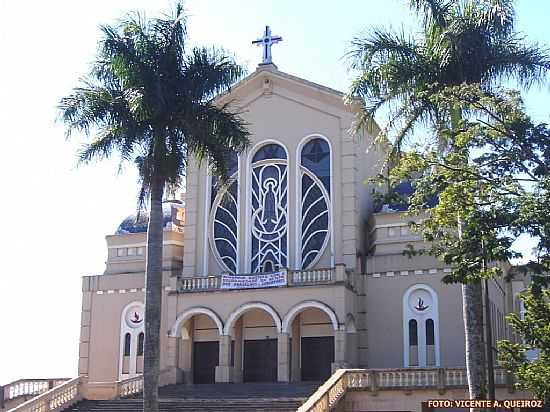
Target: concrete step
207 405
247 397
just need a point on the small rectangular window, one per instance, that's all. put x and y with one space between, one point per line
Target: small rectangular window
140 250
131 251
413 333
430 335
121 251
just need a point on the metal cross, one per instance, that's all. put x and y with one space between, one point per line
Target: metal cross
267 41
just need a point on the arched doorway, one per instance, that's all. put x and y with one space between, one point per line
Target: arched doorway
198 350
311 326
254 329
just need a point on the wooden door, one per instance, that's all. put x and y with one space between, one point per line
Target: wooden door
205 360
317 357
260 360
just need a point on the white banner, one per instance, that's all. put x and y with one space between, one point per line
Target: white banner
260 280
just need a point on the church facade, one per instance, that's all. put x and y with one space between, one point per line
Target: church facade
287 273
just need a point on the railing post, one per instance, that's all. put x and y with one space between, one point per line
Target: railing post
373 384
441 381
340 272
1 397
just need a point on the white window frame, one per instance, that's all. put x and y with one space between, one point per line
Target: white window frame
421 319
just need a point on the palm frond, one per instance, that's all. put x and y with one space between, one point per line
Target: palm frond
526 63
208 72
434 12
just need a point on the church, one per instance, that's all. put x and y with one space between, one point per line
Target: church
289 273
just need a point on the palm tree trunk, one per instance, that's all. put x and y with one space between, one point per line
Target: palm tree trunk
473 332
153 299
472 311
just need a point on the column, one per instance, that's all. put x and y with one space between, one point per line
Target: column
340 350
283 357
238 354
223 370
296 362
172 359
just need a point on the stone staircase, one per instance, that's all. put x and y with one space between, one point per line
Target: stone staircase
247 397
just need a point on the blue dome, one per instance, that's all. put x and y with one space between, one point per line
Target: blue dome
173 219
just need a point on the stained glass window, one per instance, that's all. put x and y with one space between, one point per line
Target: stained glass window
315 184
269 209
224 236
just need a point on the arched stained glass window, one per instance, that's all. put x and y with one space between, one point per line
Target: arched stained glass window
269 209
315 175
224 217
127 344
269 151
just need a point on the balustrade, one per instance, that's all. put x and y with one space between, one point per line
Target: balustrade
294 278
29 387
53 400
130 386
329 394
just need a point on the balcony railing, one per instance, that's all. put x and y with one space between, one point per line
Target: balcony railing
53 400
321 276
27 388
333 390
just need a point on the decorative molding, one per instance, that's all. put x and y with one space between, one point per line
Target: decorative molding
133 327
144 244
123 291
430 271
420 315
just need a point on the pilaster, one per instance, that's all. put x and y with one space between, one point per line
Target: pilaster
283 357
223 370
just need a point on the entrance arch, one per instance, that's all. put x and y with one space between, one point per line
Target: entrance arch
241 310
175 331
300 307
197 331
254 328
312 326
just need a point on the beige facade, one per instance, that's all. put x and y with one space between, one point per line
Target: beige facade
358 302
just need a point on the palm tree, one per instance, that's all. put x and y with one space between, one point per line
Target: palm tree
150 99
462 42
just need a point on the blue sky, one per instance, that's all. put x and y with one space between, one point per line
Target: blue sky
55 216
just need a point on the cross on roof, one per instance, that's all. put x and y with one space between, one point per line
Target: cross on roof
267 41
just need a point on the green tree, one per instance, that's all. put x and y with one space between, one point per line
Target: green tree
502 193
149 98
461 42
534 333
